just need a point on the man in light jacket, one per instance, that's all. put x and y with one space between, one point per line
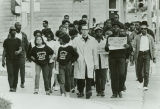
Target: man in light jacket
144 50
102 55
86 63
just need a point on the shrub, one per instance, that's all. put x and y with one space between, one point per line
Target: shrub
5 104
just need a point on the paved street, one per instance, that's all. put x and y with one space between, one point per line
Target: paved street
133 98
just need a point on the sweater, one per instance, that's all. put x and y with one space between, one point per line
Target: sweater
66 54
41 55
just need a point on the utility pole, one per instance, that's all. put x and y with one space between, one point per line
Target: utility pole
149 13
157 22
31 17
90 14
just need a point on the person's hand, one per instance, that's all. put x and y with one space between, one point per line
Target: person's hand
3 63
126 46
95 67
154 60
17 52
28 60
127 60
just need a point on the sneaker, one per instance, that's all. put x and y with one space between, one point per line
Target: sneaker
98 94
47 93
102 94
120 94
145 88
35 93
140 85
11 89
63 95
50 91
22 85
73 90
88 95
67 94
56 88
80 95
108 83
114 96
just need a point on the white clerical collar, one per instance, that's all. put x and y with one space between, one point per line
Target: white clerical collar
41 46
65 45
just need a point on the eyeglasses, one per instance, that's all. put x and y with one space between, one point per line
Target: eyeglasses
143 28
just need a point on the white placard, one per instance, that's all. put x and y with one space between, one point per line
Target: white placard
116 43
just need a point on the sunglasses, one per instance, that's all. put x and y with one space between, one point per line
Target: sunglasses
143 28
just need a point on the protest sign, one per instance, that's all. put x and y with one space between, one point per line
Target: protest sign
116 43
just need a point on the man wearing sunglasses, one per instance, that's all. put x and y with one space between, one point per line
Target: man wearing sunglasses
144 50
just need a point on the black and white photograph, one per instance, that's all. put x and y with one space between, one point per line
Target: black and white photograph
79 54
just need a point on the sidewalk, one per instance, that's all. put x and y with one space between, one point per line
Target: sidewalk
133 98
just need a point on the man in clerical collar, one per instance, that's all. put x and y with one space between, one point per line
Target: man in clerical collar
86 63
144 50
85 34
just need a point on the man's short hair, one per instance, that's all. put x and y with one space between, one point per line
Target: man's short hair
144 23
64 21
81 22
116 14
65 38
73 32
16 23
45 21
76 22
71 25
66 16
84 16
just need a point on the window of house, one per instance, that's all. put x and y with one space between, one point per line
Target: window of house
112 4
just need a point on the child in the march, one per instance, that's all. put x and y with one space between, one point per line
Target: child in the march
66 56
41 54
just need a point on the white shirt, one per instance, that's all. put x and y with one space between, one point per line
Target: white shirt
19 36
144 43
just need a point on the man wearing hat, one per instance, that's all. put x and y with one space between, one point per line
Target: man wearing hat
102 56
11 57
117 63
86 63
149 31
144 50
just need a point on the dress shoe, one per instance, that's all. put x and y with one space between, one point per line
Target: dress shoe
73 90
145 88
114 96
88 95
102 94
98 94
47 92
120 94
22 85
11 89
35 92
80 95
